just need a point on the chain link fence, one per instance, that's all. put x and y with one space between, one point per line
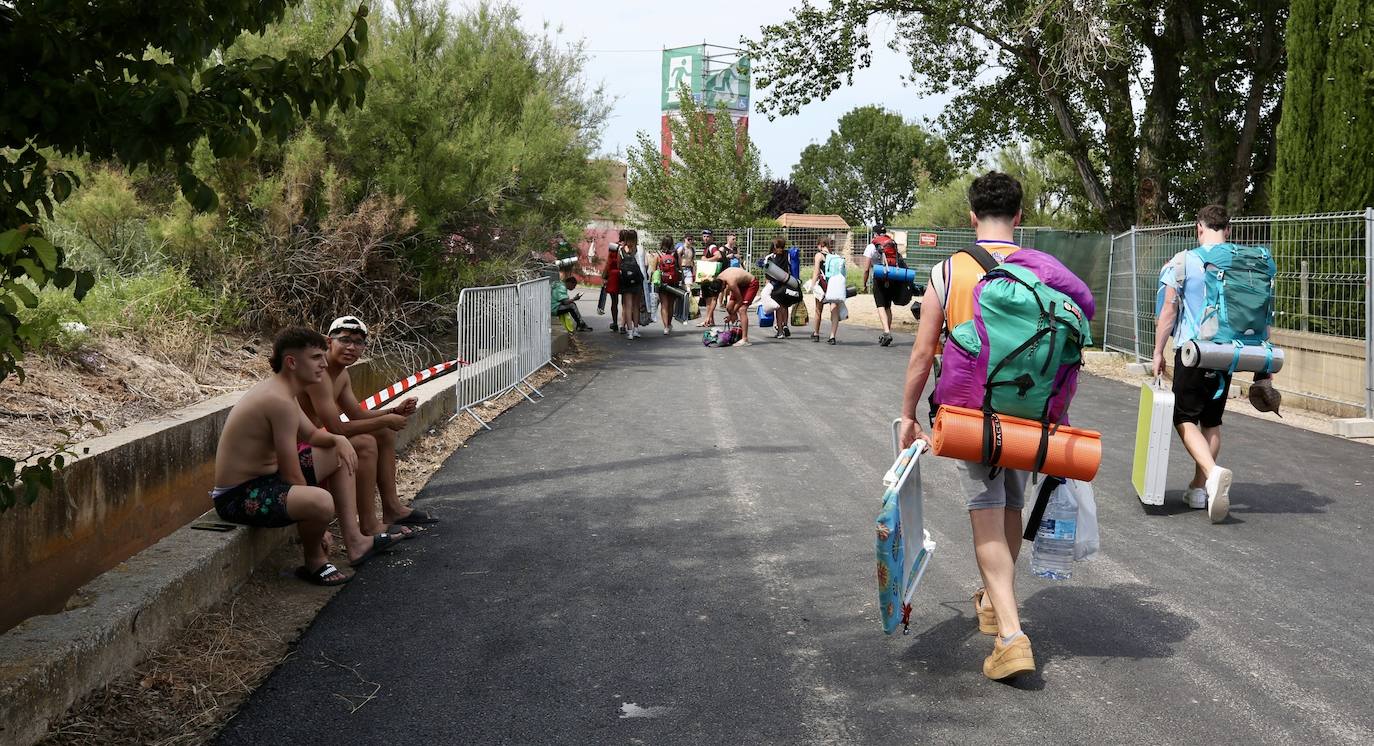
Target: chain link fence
1322 315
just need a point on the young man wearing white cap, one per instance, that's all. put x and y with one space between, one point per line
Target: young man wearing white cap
372 432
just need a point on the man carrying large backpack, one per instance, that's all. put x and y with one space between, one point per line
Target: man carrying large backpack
1016 349
883 250
1221 292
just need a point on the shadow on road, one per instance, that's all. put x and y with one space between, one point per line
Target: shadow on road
1252 497
1065 621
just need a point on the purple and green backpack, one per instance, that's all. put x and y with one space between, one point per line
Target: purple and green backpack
1020 353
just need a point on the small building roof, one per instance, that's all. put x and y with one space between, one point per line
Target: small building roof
800 220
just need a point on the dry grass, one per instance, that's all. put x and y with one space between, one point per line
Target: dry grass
183 694
119 382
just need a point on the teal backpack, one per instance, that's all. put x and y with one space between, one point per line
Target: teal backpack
1020 353
1239 303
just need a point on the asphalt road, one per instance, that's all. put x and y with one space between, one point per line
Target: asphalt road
676 546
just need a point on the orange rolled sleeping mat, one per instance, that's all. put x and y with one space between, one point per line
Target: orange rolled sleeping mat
1074 453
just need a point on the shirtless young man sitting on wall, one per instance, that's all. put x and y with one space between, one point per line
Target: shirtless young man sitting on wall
271 458
372 433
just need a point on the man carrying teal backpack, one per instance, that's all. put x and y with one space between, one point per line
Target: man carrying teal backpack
1218 292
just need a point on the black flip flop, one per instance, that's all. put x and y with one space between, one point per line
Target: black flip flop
321 576
395 530
416 518
380 544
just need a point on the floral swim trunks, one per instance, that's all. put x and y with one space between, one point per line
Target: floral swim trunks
261 501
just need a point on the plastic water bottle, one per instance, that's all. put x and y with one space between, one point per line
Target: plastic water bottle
1052 553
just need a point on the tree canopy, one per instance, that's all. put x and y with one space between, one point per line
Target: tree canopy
868 169
1208 74
1326 137
1049 194
785 196
714 178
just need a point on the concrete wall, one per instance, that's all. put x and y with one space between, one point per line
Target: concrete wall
133 488
1327 373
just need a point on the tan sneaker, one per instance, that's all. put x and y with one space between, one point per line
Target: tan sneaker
987 616
1008 660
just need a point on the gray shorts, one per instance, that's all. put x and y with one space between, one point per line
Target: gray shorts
1006 490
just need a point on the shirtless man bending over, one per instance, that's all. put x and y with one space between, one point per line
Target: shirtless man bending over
372 433
270 459
740 289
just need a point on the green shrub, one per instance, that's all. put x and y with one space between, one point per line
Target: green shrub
143 306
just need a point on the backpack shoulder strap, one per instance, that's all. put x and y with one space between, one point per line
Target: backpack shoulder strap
982 256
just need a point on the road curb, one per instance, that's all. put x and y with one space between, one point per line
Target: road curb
113 622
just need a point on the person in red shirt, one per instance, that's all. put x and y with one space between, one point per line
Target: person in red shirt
610 286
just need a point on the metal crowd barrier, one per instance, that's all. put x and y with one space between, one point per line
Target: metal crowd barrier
503 333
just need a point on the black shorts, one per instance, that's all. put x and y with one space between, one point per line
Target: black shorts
887 293
1195 394
261 501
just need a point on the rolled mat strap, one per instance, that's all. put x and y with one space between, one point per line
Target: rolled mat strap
1042 498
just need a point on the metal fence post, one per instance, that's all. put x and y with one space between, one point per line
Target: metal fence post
1369 312
1135 296
1304 295
1107 302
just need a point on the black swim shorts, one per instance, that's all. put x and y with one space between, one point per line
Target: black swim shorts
261 501
1195 394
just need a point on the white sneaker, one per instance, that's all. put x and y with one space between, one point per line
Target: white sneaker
637 334
665 332
1218 494
1196 497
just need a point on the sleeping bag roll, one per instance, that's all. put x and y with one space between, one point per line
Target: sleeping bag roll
851 291
896 274
673 290
780 276
567 263
1218 356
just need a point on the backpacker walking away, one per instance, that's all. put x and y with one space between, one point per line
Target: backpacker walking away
1218 292
1030 360
884 252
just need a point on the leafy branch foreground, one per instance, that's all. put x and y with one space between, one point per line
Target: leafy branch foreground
141 85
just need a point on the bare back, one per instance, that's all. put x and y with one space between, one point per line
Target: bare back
265 419
735 277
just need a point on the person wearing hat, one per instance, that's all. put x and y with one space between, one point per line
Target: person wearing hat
372 432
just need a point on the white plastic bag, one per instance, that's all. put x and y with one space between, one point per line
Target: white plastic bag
769 305
1086 541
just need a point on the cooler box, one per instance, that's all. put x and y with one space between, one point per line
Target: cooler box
1154 431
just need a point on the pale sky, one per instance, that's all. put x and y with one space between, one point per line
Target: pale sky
627 38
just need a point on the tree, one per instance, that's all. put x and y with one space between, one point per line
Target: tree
1325 152
868 169
1325 159
1050 196
785 196
714 178
1063 73
140 84
481 126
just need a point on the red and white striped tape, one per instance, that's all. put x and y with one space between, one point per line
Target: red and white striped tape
400 387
